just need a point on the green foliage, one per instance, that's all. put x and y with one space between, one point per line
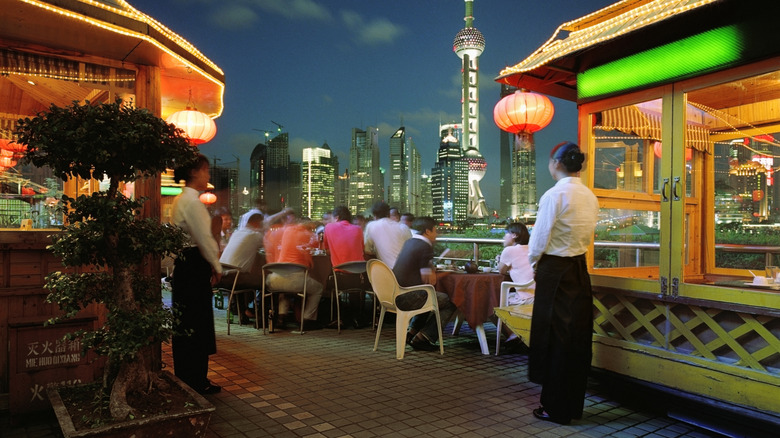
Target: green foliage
114 139
487 252
106 231
106 237
737 234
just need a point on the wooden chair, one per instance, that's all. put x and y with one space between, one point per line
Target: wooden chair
521 288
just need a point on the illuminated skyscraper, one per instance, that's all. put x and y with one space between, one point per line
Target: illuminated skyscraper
469 45
268 172
413 179
365 179
449 178
518 172
405 173
317 182
225 182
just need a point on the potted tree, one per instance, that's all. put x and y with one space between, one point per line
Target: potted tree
111 247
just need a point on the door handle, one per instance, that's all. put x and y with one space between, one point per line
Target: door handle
664 198
675 196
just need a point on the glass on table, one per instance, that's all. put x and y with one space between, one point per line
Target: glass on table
772 273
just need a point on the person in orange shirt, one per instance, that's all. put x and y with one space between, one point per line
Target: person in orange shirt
272 240
344 243
297 240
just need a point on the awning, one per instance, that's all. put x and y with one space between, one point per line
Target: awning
646 124
543 70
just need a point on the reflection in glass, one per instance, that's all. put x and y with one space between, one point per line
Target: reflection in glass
742 129
627 147
627 238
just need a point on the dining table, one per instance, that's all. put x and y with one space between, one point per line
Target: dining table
476 295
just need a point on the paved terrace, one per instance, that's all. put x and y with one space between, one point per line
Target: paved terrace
322 384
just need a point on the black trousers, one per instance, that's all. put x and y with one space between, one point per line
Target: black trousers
192 298
561 334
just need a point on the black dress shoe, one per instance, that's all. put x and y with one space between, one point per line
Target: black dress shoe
423 345
409 338
541 414
210 389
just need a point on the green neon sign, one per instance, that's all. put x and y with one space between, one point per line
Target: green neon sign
697 53
170 191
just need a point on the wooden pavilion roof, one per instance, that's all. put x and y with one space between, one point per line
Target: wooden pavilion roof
94 31
552 69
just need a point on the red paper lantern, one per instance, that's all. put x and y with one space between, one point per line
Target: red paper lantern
208 198
12 146
523 111
657 148
7 162
199 127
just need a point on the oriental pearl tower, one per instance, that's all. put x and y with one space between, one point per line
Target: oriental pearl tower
468 45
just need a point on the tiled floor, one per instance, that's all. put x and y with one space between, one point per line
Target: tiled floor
322 384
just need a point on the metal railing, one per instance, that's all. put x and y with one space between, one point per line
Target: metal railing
770 252
475 242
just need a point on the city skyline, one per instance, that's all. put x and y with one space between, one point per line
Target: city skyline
321 69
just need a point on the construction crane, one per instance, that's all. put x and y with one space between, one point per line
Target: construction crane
266 132
278 126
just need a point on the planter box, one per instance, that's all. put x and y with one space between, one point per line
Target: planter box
193 423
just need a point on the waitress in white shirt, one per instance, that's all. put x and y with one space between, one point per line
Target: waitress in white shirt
562 323
193 277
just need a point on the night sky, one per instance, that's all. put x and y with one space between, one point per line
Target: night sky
320 68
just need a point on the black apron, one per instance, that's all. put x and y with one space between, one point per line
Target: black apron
193 297
561 334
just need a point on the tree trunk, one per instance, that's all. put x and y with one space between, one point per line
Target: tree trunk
133 377
136 375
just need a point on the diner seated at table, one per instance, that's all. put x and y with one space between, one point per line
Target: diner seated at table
344 243
414 266
385 237
295 246
514 258
407 219
241 251
272 236
513 261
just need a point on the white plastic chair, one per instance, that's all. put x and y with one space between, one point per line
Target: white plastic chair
387 289
284 270
520 288
233 270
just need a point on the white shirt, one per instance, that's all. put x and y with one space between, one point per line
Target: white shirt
245 217
385 238
565 222
192 216
516 257
242 248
